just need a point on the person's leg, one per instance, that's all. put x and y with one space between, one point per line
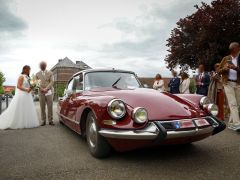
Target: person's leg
232 101
237 92
50 108
42 102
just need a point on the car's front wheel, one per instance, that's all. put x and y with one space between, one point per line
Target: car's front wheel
98 146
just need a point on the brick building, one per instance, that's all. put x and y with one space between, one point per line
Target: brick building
64 69
8 89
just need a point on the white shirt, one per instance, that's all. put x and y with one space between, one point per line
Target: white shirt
43 73
184 86
232 73
159 85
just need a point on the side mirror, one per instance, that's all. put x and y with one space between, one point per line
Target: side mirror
145 86
60 98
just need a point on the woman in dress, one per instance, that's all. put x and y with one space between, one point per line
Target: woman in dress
21 113
159 83
185 83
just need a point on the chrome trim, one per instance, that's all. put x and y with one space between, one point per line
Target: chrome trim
134 112
210 106
148 133
204 100
109 104
195 132
76 122
151 132
216 124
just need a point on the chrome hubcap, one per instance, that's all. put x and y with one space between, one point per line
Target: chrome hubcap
92 133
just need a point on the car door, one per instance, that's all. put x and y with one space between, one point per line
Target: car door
71 102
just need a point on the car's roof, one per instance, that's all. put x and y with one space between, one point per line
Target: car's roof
103 70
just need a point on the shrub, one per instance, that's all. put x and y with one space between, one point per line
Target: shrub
60 90
192 87
2 90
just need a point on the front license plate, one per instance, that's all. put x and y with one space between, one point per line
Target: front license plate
186 124
201 122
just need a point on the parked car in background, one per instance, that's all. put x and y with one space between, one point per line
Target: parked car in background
2 97
112 109
9 95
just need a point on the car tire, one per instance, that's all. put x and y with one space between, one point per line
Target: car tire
98 145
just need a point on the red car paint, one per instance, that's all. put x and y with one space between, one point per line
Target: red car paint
160 107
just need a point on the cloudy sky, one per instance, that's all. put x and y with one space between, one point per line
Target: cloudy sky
125 34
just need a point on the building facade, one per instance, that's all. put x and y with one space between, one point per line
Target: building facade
8 89
64 70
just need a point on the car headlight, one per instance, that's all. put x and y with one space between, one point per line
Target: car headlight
204 101
213 109
140 115
116 108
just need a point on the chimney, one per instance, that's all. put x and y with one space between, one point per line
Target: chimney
78 62
59 60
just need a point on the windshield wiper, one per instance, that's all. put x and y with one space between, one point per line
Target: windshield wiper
114 84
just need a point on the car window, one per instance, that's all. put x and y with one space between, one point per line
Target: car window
124 80
78 83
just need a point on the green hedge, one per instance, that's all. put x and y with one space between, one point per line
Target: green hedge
60 89
2 90
192 87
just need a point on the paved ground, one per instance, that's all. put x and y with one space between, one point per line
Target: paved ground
58 153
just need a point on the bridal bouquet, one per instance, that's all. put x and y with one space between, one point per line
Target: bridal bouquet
34 82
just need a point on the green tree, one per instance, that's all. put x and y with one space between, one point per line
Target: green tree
2 80
60 90
2 90
13 92
204 36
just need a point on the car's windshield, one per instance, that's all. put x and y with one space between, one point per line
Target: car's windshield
121 80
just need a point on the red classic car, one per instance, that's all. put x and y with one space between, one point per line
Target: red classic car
111 108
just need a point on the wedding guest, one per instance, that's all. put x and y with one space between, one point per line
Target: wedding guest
202 81
159 83
215 91
46 93
174 83
230 70
185 83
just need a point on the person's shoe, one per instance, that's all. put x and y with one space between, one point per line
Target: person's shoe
43 124
230 126
51 124
234 127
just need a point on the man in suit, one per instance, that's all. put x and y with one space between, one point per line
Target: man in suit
174 83
202 81
46 93
230 71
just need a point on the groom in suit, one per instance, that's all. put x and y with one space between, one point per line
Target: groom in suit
174 83
46 93
202 81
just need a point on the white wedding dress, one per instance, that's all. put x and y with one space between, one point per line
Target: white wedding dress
21 112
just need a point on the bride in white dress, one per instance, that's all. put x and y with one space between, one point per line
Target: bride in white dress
21 112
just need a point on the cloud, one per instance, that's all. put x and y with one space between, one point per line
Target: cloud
10 23
11 26
146 34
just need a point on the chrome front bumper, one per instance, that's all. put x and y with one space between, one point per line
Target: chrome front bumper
154 130
150 132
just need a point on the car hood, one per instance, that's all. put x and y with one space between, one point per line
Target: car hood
160 106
